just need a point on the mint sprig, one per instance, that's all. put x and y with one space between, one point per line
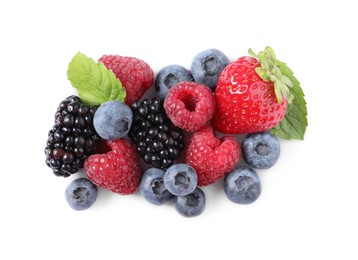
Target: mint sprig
95 84
294 123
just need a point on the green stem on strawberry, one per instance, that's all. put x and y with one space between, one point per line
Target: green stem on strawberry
294 123
270 71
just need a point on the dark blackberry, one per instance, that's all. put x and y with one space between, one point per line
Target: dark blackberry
72 139
157 140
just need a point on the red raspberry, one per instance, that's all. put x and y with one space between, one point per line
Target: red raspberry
135 75
189 105
211 157
117 170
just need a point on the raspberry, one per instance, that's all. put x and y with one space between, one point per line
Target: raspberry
211 157
72 139
157 140
135 75
117 170
189 105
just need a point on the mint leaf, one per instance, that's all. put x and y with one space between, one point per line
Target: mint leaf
294 123
94 82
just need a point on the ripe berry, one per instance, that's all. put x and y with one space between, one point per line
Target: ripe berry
180 179
157 140
242 185
113 120
207 66
135 75
81 194
247 102
189 105
116 169
260 150
72 139
191 205
169 76
210 156
152 187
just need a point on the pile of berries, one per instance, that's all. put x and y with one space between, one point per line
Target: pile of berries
166 146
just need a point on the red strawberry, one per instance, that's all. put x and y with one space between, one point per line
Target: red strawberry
251 95
117 170
135 75
211 157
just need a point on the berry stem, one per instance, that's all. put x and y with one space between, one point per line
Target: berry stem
269 71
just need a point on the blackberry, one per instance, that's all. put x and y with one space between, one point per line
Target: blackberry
72 139
157 140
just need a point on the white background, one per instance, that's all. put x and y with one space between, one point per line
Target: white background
308 206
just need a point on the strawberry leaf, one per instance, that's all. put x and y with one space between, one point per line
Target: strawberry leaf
94 82
294 123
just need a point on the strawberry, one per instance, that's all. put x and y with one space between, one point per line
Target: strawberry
211 157
117 169
135 75
251 95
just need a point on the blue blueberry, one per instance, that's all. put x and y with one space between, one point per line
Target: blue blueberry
242 185
168 77
191 205
152 187
260 150
112 120
81 194
180 179
207 66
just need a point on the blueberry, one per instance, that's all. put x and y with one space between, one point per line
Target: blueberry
180 179
112 120
152 187
168 77
207 66
191 205
81 194
242 185
260 150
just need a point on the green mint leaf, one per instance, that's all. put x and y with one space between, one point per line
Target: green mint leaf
294 123
95 84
